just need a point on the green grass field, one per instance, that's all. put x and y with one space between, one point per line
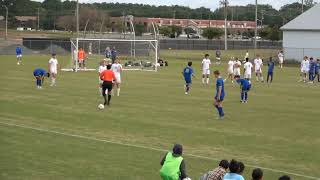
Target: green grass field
58 132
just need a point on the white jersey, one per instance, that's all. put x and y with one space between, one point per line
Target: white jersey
281 57
102 68
258 64
230 66
305 66
248 67
117 68
237 66
53 63
206 64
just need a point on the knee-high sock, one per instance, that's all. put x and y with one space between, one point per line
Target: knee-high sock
38 82
208 80
118 92
202 80
105 99
268 78
109 98
187 88
246 96
242 96
220 110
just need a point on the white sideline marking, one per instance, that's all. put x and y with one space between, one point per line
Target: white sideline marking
145 147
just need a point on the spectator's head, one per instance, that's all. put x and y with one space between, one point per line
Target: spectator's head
206 55
109 66
216 73
177 149
54 55
224 164
241 168
236 77
285 177
234 166
270 59
247 59
190 63
257 174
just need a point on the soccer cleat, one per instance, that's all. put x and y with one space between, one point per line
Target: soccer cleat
221 117
186 93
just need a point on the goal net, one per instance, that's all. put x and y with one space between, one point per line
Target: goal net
133 54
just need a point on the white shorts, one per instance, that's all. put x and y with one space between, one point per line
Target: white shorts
237 72
53 71
247 76
205 71
280 60
19 56
230 71
306 71
259 70
118 77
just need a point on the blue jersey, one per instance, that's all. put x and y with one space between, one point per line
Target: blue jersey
312 67
39 72
113 54
270 67
245 84
233 176
187 73
317 67
220 83
18 51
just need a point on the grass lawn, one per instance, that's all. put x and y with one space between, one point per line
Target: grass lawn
58 132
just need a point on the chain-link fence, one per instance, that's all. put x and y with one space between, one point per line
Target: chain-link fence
297 54
63 46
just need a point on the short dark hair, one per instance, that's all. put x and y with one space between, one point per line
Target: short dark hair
236 76
234 166
189 63
257 174
177 149
206 55
53 54
285 177
247 59
241 167
270 58
48 74
109 66
224 163
217 72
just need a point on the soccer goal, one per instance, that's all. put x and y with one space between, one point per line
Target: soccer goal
133 54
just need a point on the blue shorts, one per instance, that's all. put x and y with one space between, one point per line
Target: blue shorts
221 98
246 88
270 73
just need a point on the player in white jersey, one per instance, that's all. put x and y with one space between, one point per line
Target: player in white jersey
305 65
258 68
280 58
102 67
236 67
206 69
230 70
247 69
117 69
53 69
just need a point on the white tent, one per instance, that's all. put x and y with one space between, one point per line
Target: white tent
301 36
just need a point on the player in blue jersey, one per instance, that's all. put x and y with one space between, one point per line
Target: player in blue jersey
270 70
317 72
39 74
245 87
312 69
19 55
219 97
188 74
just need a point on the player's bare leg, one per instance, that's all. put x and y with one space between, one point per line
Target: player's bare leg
53 79
118 88
208 80
203 78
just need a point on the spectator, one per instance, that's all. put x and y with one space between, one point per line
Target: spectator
234 169
218 57
285 177
108 52
113 54
257 174
241 168
173 165
219 172
317 70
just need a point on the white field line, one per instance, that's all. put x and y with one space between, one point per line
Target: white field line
146 147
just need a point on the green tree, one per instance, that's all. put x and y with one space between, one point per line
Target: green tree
212 33
165 30
139 29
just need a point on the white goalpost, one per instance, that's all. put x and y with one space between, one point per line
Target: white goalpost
133 54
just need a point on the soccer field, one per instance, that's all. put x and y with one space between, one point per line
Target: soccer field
58 132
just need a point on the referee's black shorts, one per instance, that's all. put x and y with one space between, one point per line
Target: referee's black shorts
106 85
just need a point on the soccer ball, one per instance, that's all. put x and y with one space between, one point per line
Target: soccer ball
100 106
